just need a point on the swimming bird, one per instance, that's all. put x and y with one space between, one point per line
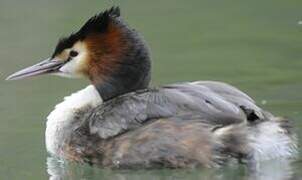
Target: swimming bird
120 122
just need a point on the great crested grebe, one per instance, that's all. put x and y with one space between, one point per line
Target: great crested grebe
120 122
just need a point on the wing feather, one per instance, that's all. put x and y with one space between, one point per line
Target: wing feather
217 104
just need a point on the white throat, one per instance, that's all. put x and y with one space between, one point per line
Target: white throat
63 115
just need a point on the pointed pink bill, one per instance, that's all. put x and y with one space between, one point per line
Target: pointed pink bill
47 66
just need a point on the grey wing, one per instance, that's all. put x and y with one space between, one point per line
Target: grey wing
217 104
232 94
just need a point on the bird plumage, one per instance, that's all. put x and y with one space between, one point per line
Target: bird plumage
120 122
200 123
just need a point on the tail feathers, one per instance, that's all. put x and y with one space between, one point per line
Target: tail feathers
272 139
232 144
266 140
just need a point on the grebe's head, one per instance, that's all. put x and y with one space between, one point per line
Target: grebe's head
105 50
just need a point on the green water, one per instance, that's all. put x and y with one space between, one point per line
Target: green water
254 45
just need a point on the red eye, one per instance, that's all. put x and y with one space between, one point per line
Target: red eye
73 53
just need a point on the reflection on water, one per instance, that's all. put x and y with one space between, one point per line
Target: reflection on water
56 168
273 170
268 170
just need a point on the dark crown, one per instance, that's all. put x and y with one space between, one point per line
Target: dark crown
97 23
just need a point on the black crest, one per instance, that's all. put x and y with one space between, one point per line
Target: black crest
97 23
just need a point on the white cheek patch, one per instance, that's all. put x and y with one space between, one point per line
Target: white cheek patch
74 68
71 69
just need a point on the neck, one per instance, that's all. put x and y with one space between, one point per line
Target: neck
120 85
132 71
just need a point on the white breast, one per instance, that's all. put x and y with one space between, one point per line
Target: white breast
63 115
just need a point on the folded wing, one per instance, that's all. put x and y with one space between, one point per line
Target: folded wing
216 104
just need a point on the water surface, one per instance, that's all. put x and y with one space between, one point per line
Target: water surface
254 45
